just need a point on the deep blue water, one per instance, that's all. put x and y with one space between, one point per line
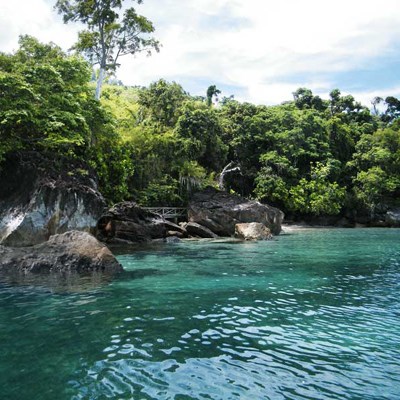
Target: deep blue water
314 314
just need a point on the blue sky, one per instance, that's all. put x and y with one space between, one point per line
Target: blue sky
258 50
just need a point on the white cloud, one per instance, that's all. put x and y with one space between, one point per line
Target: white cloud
32 17
366 96
279 39
270 48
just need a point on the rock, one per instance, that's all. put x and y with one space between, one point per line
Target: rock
198 230
34 205
128 221
73 251
179 230
393 217
252 231
221 211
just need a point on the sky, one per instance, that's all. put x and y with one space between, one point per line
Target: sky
260 51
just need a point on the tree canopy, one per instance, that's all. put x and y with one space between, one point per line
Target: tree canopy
157 144
47 106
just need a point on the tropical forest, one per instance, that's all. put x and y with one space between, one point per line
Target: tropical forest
158 144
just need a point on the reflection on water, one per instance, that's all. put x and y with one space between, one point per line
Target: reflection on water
68 282
310 315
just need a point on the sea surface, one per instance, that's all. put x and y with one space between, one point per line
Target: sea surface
312 314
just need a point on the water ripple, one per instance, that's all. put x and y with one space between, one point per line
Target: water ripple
296 318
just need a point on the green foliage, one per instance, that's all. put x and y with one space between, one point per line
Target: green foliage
46 106
122 103
159 144
200 134
377 162
112 160
271 187
304 98
43 100
163 191
318 195
212 91
161 103
392 112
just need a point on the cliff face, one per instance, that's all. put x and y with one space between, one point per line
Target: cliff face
36 202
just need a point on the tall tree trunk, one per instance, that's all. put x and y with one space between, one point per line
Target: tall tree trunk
100 83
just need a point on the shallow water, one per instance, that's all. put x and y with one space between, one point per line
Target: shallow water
314 314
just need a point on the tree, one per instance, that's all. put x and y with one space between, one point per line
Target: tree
211 92
375 103
303 98
392 109
377 163
200 133
42 100
318 195
46 109
161 102
108 36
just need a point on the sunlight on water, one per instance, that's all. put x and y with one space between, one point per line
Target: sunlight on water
313 314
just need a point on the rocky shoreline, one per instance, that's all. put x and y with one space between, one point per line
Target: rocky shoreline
41 240
211 214
49 225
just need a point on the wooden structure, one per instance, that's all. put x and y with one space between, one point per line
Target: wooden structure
169 212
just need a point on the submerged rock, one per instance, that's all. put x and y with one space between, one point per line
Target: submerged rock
252 231
221 211
73 251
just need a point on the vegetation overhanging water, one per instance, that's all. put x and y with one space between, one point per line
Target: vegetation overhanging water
313 314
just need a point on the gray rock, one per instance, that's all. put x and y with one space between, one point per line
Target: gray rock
51 210
252 231
73 251
393 217
195 229
128 221
221 211
33 206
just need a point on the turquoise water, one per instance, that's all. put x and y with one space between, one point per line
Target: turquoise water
310 315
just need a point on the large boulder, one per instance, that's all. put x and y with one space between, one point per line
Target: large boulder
35 204
221 211
73 251
252 231
128 222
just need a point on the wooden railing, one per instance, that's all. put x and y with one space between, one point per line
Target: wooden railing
169 212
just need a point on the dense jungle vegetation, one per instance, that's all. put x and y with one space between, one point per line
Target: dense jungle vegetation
156 145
